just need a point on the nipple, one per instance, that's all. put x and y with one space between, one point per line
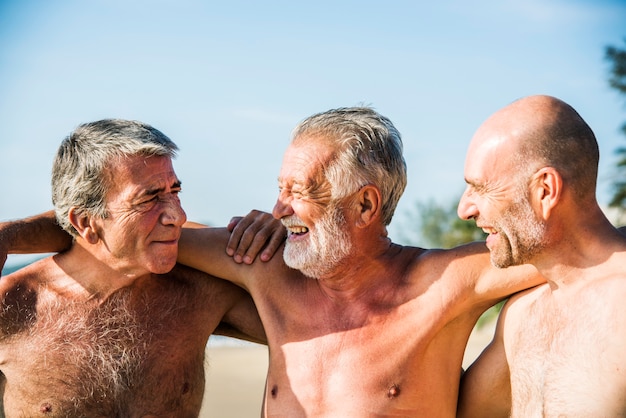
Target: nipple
393 392
45 408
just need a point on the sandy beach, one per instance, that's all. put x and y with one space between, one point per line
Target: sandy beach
236 376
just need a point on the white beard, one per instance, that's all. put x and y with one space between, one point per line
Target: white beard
324 249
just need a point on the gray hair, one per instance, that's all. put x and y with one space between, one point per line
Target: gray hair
79 171
368 151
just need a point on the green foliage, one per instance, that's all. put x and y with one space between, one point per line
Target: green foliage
490 314
432 225
617 80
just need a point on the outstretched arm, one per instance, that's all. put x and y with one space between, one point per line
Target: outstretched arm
204 250
489 284
256 233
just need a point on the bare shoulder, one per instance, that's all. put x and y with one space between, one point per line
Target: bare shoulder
522 304
609 279
461 266
448 276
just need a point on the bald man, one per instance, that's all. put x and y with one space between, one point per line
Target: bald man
559 348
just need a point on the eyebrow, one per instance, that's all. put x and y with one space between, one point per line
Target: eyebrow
477 186
151 192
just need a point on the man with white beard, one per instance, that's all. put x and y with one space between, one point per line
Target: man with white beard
357 325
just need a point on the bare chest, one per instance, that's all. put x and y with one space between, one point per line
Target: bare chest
403 361
118 359
567 359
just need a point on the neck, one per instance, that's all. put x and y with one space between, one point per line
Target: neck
89 276
574 254
360 271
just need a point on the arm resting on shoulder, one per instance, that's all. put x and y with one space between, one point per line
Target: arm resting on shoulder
212 250
490 283
256 234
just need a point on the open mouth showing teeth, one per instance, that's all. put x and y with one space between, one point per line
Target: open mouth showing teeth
298 230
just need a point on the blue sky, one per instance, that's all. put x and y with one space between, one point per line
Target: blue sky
229 80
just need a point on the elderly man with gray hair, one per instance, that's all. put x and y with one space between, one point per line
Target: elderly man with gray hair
113 327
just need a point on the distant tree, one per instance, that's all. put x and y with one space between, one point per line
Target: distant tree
617 80
433 225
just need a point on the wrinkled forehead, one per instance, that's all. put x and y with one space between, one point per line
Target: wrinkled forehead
305 160
139 172
491 155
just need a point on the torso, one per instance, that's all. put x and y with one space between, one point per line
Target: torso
566 348
399 354
128 356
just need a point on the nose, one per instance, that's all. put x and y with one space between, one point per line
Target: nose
282 207
173 213
467 208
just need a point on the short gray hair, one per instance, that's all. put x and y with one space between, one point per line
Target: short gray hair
79 169
368 151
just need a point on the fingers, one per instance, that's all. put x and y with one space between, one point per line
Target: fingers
233 223
242 231
276 240
258 231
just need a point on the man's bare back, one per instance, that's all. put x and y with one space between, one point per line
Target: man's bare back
138 353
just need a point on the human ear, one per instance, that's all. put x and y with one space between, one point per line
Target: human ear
84 225
548 186
369 205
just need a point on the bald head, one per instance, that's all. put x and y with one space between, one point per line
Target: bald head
542 131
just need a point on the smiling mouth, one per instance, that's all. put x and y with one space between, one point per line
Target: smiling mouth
489 231
297 230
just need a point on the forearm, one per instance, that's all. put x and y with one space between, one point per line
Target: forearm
205 249
36 234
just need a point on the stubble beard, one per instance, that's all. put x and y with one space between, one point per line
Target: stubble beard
326 247
521 236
